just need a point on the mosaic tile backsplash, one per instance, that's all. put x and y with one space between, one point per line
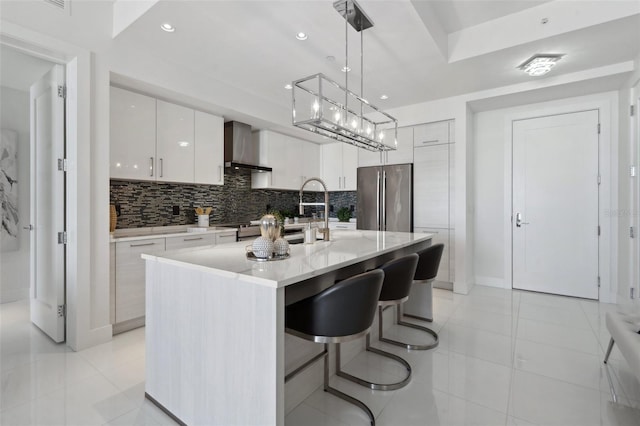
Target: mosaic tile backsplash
144 204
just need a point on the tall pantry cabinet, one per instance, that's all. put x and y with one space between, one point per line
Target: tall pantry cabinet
433 189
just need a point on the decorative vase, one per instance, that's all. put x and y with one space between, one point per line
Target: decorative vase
269 227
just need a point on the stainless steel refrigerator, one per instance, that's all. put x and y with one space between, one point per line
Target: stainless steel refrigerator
385 198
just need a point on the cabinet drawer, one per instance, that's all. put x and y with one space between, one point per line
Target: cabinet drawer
440 236
342 225
227 237
190 240
130 276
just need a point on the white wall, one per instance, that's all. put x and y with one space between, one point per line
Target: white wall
492 182
14 265
629 192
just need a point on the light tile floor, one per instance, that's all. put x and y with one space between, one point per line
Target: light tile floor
505 358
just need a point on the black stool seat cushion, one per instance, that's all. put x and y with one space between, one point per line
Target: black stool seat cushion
429 262
398 277
346 308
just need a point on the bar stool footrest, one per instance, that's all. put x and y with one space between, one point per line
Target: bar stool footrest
377 386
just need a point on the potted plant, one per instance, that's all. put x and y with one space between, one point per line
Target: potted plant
344 214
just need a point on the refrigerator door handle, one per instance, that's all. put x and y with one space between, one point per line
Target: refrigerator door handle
384 200
378 201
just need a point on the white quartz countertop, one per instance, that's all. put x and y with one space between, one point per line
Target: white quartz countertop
306 260
135 234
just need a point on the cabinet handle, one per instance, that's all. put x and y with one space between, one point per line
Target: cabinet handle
342 226
192 239
161 167
150 166
142 245
344 182
433 141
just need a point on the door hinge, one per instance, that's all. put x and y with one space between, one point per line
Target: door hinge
62 164
62 311
62 237
598 230
631 234
62 92
632 171
599 179
631 293
632 110
598 128
598 281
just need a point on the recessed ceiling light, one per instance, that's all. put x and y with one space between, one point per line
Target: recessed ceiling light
302 36
168 27
383 97
288 86
540 64
346 69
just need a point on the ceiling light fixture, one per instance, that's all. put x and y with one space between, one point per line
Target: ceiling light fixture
168 27
288 86
345 69
384 97
302 36
323 106
540 64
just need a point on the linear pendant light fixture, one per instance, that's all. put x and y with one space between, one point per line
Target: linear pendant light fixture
323 106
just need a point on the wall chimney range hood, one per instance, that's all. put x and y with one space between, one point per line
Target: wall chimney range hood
240 151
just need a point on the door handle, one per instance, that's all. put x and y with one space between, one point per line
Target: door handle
519 221
29 228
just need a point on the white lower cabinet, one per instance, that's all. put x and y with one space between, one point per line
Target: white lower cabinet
443 236
127 269
130 276
190 240
342 225
226 237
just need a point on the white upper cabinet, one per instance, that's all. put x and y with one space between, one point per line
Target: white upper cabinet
160 141
175 143
133 135
403 154
292 160
340 166
431 133
349 167
209 149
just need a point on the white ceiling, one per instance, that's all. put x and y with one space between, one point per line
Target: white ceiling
251 44
417 51
455 15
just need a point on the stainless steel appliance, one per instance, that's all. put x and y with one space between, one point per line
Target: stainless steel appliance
385 198
240 150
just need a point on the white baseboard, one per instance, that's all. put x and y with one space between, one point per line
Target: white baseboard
492 282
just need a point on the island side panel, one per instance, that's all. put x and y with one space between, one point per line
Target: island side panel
214 347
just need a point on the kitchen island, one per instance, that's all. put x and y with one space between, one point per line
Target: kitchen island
215 321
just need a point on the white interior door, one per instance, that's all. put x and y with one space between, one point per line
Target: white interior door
555 204
47 205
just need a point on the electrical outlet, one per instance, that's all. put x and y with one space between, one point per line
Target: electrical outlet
176 210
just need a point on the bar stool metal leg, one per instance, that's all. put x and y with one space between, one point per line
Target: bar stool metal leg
342 395
367 383
399 321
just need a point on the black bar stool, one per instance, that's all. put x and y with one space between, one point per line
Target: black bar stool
422 288
341 313
395 290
